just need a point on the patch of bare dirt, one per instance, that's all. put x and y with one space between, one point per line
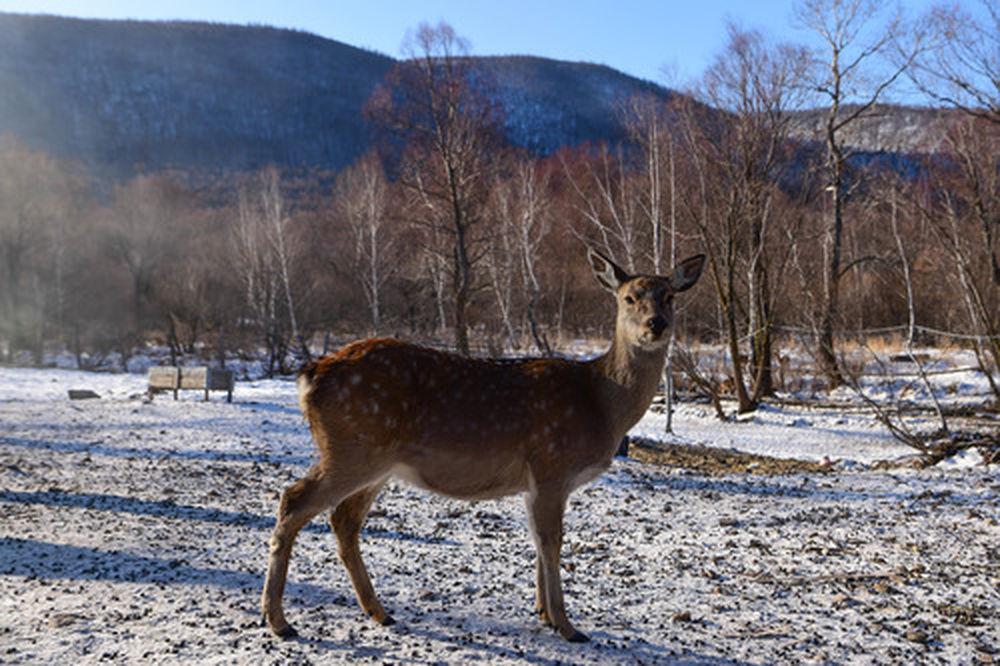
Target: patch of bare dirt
719 462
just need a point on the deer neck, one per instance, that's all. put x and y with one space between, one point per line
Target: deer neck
629 377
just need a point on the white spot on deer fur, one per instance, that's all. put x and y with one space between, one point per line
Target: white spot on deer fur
356 378
374 408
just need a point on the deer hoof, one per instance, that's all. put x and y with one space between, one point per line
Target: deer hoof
578 637
285 632
387 621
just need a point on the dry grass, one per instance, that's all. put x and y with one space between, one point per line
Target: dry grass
883 345
718 462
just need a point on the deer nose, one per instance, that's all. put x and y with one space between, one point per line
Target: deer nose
656 324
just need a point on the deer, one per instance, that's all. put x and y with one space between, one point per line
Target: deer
473 429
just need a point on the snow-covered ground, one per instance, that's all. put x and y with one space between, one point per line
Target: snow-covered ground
136 531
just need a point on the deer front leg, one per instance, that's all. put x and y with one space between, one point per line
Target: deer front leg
541 606
540 610
545 511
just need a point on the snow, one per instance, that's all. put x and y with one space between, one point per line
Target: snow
804 434
136 531
30 385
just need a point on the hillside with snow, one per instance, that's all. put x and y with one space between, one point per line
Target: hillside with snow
126 95
122 96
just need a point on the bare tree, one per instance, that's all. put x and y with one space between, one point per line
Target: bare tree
275 216
737 145
361 198
532 228
141 237
856 41
434 105
962 66
648 124
759 83
258 274
607 202
261 239
523 223
40 199
962 69
965 215
501 262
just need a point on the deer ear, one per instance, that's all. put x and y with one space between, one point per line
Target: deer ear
687 273
607 273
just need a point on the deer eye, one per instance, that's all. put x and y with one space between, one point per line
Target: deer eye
629 300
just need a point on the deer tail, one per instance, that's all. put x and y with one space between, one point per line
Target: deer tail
305 383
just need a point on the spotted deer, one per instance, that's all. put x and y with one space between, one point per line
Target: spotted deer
473 429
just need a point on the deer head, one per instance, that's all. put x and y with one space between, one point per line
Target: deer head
645 303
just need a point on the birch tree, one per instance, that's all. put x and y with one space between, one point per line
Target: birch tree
437 108
361 197
851 74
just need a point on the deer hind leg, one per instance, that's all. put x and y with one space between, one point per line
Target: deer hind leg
300 503
545 511
346 521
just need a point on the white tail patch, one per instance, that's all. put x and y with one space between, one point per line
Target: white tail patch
304 384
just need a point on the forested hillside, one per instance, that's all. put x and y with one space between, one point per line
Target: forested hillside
127 95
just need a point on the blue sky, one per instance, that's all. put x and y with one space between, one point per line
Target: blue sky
640 37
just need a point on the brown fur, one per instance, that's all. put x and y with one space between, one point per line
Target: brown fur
472 429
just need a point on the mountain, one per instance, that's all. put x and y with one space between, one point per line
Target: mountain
127 95
886 128
548 104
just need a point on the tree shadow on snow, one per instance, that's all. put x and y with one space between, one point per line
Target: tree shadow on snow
52 561
778 487
260 406
97 448
170 509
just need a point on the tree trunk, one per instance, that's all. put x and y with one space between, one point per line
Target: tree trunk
826 352
760 317
137 301
172 342
220 345
541 341
462 288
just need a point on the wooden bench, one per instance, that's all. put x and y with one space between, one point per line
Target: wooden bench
172 378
